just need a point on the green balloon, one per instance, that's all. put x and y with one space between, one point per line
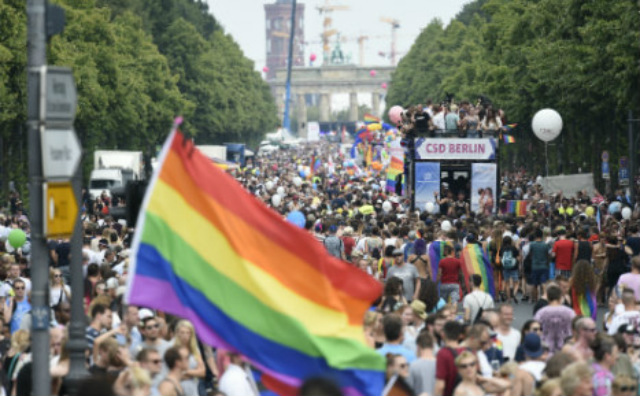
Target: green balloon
17 238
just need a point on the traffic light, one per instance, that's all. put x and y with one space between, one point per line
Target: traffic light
126 201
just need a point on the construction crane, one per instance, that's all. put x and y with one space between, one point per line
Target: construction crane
327 32
395 25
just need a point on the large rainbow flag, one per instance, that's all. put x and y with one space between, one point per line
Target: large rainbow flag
476 261
208 251
585 304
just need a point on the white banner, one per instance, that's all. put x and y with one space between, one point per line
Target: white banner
455 149
313 131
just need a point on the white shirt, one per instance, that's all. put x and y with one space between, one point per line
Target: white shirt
510 343
535 368
237 382
438 120
626 317
475 300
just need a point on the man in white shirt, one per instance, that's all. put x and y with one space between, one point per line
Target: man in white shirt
477 299
509 336
628 315
237 379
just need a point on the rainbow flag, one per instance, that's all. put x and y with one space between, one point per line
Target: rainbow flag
585 304
509 127
436 253
515 207
508 139
476 261
369 119
396 167
316 165
250 282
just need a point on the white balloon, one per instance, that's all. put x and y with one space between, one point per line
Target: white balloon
429 207
386 206
269 185
280 190
276 200
446 226
626 213
297 181
547 124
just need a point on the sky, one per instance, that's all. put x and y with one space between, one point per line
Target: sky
245 21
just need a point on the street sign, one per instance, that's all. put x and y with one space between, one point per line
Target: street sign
61 153
40 318
60 209
60 96
623 172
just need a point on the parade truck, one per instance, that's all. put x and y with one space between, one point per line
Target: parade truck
214 152
114 168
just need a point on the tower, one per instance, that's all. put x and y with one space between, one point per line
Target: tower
277 18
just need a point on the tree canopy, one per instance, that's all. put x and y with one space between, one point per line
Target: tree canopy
137 65
577 57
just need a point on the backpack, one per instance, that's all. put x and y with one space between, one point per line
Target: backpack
508 261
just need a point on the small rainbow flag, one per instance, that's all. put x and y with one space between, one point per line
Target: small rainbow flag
515 207
509 127
316 165
476 261
250 282
370 119
585 304
508 139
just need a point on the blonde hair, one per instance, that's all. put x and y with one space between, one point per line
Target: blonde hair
622 380
573 375
193 343
465 355
370 318
140 377
548 387
20 340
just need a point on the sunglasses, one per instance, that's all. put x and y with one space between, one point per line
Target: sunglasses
465 366
628 388
156 361
403 365
155 326
57 276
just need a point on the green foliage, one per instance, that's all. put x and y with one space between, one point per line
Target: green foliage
137 64
580 58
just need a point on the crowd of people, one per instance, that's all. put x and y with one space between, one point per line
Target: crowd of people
438 337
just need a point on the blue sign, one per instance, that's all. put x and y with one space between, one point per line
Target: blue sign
427 183
605 170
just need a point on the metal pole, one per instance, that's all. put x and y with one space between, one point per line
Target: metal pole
36 59
77 343
286 122
411 182
632 176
